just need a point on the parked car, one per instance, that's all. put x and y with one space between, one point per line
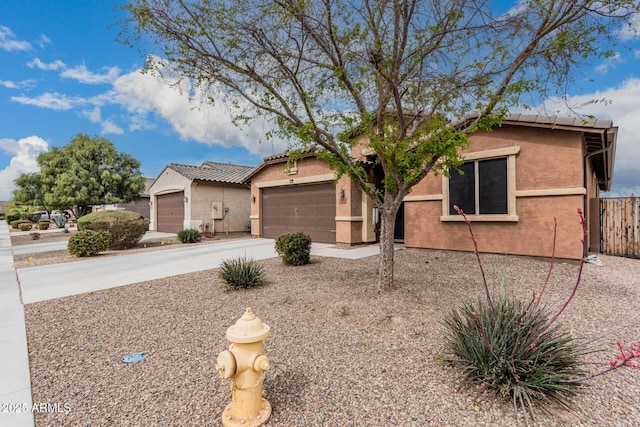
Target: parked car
44 216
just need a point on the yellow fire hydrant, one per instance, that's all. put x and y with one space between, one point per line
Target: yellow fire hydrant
245 364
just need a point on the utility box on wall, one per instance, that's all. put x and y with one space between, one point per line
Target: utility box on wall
216 210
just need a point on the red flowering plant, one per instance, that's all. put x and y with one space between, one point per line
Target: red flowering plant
517 349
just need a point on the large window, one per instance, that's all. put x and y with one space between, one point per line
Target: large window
485 187
480 187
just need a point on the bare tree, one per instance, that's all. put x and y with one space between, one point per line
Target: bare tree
399 71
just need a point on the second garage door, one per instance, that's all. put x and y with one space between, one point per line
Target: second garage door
307 208
170 212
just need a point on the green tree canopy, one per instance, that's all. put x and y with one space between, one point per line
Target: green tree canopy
88 171
29 190
401 71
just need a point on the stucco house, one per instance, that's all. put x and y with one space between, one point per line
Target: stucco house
211 197
516 179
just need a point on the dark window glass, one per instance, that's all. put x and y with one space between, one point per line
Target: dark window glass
462 189
492 186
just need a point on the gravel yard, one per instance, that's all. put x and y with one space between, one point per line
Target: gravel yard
341 353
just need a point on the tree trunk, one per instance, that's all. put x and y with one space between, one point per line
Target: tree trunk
82 211
387 231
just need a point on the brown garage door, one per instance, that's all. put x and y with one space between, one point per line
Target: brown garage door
171 212
307 208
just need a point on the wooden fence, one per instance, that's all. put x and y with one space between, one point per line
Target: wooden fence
620 226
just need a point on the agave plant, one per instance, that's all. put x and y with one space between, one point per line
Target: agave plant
517 349
241 272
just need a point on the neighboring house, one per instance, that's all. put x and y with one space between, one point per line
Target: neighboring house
210 198
517 179
141 206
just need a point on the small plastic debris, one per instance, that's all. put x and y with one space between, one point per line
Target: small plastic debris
134 357
593 259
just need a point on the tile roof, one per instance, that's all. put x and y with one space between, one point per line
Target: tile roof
559 121
213 172
539 120
148 182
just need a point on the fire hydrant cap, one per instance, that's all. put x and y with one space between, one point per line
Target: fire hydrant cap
248 329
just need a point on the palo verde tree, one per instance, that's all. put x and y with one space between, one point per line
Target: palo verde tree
88 171
401 72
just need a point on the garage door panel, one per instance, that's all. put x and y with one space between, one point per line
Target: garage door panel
307 208
170 212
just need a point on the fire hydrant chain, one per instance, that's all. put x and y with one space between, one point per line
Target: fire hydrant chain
245 365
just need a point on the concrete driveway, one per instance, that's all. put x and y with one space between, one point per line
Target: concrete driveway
73 278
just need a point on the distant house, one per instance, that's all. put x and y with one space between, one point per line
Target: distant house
211 197
516 179
140 206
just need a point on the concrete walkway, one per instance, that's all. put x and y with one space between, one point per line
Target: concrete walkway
15 380
61 245
29 285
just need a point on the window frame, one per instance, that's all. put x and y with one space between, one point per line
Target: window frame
510 154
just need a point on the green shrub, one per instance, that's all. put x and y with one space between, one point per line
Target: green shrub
125 228
16 222
88 243
43 225
294 248
513 351
35 217
35 236
10 217
241 272
189 236
24 226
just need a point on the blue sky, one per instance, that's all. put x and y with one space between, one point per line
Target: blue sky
63 74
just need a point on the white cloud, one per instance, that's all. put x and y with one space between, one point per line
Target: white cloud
94 115
81 74
18 85
620 105
108 127
144 95
608 63
9 84
24 160
631 28
8 41
53 101
44 40
55 65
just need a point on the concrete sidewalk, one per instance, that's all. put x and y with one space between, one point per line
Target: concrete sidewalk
15 380
34 248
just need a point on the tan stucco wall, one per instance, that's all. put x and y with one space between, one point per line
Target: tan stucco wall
549 173
531 235
198 201
235 198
